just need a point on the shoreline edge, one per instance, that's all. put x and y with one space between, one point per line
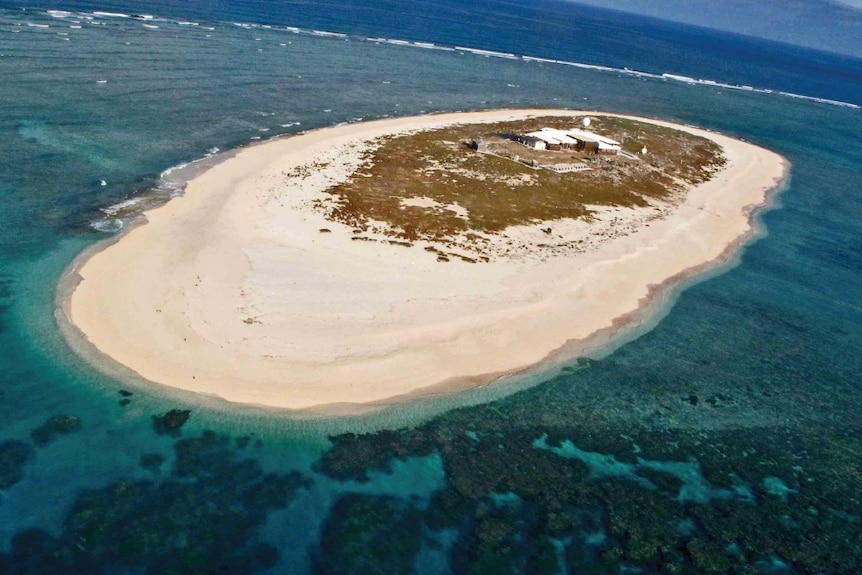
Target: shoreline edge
91 319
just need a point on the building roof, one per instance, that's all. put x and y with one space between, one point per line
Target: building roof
571 137
553 136
592 137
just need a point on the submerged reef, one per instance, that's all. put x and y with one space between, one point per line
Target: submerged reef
566 478
610 466
368 534
14 455
171 422
200 519
57 425
519 507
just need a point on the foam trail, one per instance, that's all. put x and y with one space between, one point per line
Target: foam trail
489 53
331 34
119 207
171 184
537 59
669 76
110 14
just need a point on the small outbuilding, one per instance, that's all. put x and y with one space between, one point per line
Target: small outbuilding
533 142
568 168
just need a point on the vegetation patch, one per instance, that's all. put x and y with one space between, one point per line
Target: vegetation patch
434 186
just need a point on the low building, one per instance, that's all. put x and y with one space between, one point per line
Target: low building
580 140
596 143
479 145
533 142
568 168
554 139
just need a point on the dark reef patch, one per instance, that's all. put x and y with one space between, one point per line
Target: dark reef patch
171 422
584 479
357 456
57 425
14 455
201 519
367 534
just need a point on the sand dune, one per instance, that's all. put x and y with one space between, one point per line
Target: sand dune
233 291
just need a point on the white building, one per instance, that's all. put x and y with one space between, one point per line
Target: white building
582 140
534 142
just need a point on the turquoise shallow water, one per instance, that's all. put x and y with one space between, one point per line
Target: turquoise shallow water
726 438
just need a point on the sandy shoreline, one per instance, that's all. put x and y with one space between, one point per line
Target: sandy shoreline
232 291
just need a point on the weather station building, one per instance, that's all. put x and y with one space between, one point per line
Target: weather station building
580 140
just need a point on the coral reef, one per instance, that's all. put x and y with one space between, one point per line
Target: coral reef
199 520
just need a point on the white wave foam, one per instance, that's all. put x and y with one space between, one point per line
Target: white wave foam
392 41
477 51
678 78
121 206
432 46
821 100
101 14
172 181
688 80
581 65
397 42
487 53
329 34
107 226
167 172
746 88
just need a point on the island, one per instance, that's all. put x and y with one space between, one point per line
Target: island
373 262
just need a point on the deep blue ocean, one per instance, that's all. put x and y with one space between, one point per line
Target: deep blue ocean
725 437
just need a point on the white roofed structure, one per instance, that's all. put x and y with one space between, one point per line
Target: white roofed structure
604 143
552 136
578 139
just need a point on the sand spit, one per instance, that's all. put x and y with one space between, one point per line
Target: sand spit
232 290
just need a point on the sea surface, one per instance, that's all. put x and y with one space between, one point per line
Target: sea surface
723 437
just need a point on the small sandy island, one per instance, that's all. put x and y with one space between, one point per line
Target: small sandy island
244 289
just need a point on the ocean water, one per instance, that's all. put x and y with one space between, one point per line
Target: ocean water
722 438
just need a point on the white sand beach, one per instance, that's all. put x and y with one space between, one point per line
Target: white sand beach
233 291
